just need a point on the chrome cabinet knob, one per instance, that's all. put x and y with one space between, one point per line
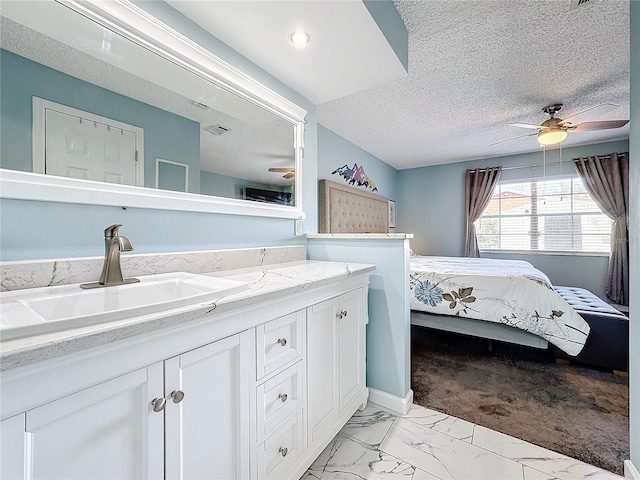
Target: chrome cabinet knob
339 315
344 313
283 397
283 451
177 396
158 404
282 341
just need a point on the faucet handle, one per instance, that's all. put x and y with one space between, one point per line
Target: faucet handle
112 231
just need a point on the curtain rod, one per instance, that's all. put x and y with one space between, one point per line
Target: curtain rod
534 166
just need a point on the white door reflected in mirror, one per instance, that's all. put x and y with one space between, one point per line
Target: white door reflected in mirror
81 145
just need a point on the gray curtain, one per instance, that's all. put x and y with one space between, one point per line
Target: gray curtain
478 187
606 178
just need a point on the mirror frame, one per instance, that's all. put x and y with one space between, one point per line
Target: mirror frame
135 24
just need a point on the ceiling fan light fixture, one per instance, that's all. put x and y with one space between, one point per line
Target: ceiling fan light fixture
299 38
552 136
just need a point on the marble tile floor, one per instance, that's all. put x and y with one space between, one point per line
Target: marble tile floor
428 445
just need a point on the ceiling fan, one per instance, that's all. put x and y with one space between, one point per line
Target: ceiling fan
555 129
288 172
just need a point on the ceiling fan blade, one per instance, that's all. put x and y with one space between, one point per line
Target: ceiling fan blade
289 175
590 114
281 170
525 125
592 126
514 138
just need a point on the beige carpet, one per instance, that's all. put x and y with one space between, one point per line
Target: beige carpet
577 411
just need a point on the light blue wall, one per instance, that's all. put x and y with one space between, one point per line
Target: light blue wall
173 177
334 151
166 135
634 236
37 230
431 206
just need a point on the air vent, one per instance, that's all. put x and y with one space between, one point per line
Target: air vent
580 3
216 129
199 105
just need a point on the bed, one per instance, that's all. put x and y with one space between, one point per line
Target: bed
507 300
537 317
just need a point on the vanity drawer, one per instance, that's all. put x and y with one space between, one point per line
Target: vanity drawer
278 399
280 451
279 342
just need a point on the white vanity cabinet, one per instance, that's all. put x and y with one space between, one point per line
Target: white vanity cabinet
206 390
12 447
255 392
335 358
280 379
310 379
106 431
176 419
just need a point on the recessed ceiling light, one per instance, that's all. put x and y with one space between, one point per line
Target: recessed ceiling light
299 38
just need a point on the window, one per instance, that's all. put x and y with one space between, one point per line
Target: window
555 215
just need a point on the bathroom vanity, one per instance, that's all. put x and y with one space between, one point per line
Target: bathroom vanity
252 385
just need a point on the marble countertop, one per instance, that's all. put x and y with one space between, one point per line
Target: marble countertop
265 283
361 236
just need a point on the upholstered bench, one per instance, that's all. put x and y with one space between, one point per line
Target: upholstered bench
608 343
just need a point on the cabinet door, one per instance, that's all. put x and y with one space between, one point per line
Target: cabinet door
322 366
207 432
107 431
12 447
351 346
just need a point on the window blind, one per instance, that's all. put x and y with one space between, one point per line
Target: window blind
555 215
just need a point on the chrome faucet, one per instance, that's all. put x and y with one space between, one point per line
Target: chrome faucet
111 271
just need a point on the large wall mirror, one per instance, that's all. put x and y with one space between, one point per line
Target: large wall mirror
103 104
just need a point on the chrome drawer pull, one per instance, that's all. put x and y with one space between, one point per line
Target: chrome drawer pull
282 341
283 451
283 397
177 396
158 404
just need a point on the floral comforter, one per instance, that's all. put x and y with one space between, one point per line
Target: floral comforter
512 292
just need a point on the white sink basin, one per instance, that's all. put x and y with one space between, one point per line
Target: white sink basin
49 309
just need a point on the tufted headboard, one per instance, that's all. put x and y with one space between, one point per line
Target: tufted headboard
344 209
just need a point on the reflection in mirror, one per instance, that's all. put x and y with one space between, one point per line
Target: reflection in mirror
80 101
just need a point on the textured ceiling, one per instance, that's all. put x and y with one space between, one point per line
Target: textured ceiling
476 66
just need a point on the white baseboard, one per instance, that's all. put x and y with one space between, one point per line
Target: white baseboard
391 402
630 471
